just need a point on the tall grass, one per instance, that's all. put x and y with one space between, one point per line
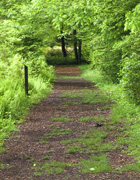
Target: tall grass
14 104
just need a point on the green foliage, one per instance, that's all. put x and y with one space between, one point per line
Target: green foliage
113 91
21 42
54 56
110 17
109 32
130 59
6 126
115 44
130 72
56 60
133 20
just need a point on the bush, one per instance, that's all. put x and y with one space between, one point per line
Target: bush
14 104
56 60
54 56
131 77
131 56
108 63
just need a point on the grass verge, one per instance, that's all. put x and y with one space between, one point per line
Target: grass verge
14 104
123 111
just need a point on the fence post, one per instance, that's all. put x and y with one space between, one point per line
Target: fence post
26 79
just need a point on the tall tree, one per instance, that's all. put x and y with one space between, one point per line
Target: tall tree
63 45
75 45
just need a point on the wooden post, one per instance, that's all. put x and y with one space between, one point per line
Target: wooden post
26 79
63 45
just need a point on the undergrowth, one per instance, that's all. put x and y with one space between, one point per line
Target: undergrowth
14 104
55 57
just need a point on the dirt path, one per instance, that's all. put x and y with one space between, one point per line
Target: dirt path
67 137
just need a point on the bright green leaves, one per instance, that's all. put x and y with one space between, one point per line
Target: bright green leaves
22 35
131 78
133 20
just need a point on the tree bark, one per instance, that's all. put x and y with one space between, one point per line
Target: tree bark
63 46
80 51
75 46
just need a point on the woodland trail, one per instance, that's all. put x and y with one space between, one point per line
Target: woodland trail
66 137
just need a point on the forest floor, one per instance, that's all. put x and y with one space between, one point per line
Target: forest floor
69 135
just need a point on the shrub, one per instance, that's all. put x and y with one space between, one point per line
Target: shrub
131 77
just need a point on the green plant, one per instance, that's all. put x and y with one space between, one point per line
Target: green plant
130 77
56 60
95 164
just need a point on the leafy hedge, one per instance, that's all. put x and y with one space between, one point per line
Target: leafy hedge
20 43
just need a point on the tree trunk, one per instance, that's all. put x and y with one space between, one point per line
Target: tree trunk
80 51
75 46
63 46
